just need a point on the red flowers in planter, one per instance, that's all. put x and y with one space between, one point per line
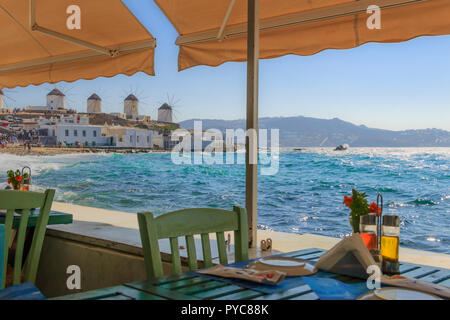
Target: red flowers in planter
375 209
359 206
15 178
362 204
348 201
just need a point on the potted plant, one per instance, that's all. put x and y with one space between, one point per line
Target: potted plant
359 206
15 178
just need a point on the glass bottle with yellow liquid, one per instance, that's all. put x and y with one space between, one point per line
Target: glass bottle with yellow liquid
390 242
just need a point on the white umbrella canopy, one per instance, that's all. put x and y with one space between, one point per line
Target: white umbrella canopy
214 32
42 41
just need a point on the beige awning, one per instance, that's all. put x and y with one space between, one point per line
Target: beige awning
111 41
301 27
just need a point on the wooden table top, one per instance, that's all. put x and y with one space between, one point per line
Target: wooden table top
187 286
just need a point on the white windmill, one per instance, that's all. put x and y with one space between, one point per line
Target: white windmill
94 104
131 106
56 100
166 112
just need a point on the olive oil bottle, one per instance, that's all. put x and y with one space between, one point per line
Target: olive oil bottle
390 242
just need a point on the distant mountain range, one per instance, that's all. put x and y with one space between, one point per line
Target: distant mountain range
312 132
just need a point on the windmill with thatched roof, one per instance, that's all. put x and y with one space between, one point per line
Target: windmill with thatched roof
56 100
165 113
94 104
131 107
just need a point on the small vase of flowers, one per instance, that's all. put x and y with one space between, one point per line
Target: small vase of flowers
15 178
359 206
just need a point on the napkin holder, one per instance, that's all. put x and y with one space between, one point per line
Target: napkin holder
350 257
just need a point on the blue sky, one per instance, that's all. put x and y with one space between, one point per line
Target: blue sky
390 86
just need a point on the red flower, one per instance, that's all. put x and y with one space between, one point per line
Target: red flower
9 180
375 209
348 201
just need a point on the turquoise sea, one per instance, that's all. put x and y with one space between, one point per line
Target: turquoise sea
305 196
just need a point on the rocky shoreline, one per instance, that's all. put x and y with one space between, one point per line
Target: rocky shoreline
47 151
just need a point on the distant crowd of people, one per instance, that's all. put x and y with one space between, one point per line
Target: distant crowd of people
22 137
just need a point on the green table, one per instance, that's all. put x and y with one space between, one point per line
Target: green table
54 218
190 287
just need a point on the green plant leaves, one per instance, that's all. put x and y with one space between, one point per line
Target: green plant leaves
359 207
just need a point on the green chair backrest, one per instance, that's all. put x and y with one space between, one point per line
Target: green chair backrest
11 201
187 223
2 249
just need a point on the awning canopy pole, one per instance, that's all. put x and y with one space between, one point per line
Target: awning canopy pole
251 146
35 27
82 43
220 35
32 13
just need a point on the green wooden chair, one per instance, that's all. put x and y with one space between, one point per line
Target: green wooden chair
23 201
187 223
24 291
2 249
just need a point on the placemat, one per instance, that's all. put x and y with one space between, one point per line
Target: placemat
288 283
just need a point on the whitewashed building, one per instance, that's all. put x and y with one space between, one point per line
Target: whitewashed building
72 134
158 140
125 137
